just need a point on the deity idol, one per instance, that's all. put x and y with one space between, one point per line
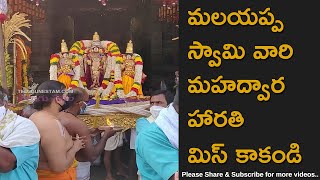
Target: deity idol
62 66
96 61
132 75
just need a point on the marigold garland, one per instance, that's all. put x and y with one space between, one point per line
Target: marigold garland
19 72
78 48
75 60
84 81
118 85
138 60
9 70
74 84
25 73
27 69
54 59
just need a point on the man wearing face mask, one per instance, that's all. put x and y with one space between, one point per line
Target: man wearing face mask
68 118
157 147
57 147
159 100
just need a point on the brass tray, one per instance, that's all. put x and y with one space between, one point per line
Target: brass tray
126 121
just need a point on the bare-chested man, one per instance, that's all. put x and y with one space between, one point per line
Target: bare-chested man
28 111
57 149
79 98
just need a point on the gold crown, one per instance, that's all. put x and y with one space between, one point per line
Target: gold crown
129 47
96 37
64 48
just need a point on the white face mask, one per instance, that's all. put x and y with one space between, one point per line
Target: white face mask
155 110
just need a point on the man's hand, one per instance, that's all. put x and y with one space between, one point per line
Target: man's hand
175 176
94 131
78 142
8 160
109 131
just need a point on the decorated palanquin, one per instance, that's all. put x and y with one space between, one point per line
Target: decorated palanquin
112 79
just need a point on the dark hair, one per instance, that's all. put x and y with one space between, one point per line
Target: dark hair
44 97
76 95
167 94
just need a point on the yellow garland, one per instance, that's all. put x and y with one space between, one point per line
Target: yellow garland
119 59
105 82
54 60
138 59
25 79
75 83
118 86
9 71
136 86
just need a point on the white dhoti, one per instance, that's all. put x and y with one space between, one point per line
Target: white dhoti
114 142
83 170
133 138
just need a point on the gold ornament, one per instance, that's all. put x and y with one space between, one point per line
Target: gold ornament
96 40
64 47
96 37
129 49
126 121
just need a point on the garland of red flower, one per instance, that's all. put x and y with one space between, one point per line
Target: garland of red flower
79 49
19 71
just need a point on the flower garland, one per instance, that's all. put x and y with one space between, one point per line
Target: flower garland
76 78
115 51
112 82
25 73
19 71
9 70
54 59
75 60
78 48
25 68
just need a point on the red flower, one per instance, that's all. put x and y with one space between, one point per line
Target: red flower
83 79
118 82
54 56
135 90
104 86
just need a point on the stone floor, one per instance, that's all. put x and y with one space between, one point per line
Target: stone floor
98 171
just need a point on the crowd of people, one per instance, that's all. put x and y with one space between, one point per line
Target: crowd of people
48 141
